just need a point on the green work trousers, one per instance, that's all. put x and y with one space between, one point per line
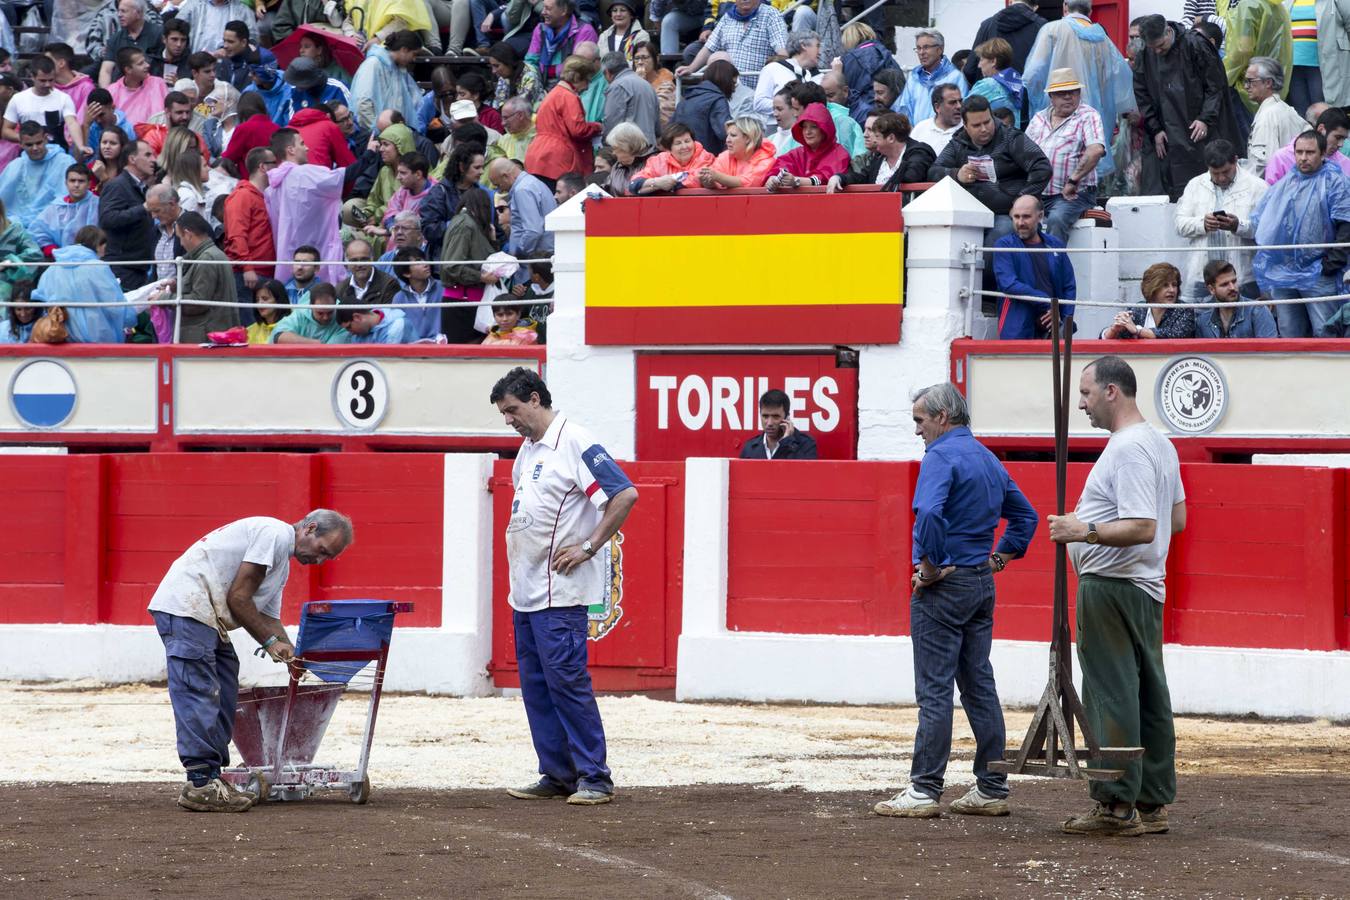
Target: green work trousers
1125 688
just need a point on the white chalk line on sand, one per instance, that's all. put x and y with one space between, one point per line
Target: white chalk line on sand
1300 853
694 888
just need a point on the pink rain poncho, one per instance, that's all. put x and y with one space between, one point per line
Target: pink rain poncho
305 205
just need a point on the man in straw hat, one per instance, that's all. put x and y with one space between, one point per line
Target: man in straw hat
1070 134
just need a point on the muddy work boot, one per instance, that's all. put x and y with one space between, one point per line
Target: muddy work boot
1104 823
589 797
540 790
1154 819
214 796
976 803
909 804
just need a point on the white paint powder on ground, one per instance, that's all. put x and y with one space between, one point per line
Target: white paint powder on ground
125 733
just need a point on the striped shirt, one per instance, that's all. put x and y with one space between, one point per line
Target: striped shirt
1064 146
750 43
1303 19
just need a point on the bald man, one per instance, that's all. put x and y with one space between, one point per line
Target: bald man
531 200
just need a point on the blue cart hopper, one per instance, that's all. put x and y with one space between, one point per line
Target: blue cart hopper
277 730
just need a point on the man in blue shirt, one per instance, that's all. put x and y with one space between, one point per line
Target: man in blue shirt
531 202
1031 275
1239 322
372 326
962 492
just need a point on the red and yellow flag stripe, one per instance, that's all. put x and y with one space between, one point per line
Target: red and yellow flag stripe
744 269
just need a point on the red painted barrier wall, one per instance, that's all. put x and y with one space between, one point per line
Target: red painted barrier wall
91 536
819 547
638 652
824 548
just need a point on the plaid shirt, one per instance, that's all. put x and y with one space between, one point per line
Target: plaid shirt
750 43
1064 146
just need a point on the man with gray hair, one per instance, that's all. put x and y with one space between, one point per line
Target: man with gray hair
1076 42
962 492
934 68
231 578
1276 122
800 65
629 98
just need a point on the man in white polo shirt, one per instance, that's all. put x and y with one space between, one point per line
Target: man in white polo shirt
571 498
232 578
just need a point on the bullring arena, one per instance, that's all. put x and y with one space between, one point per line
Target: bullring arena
751 645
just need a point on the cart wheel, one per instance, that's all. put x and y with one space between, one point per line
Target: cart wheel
360 792
260 786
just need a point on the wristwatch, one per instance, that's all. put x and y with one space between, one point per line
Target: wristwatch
587 548
1092 536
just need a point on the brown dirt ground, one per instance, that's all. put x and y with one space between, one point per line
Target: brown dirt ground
1231 837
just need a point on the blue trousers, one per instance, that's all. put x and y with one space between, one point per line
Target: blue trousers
1060 214
565 725
951 628
1301 320
204 691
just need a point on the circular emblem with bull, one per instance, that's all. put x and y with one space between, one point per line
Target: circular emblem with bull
1191 395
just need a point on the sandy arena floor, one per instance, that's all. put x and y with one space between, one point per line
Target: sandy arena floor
715 801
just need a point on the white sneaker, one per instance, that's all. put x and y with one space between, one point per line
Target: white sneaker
975 803
909 804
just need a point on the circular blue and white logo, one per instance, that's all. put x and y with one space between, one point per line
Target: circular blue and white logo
42 393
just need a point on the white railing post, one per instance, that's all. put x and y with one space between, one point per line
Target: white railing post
177 298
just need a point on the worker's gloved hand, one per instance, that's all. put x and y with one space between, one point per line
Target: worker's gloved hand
281 651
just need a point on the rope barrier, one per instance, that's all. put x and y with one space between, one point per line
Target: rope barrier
1191 248
1236 304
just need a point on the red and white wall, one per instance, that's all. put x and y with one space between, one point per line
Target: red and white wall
736 580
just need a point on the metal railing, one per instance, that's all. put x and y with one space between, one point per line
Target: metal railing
142 301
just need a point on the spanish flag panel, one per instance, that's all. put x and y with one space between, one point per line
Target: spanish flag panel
745 269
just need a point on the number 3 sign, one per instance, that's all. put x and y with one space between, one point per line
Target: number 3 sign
360 395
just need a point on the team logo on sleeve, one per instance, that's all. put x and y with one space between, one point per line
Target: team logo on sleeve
606 613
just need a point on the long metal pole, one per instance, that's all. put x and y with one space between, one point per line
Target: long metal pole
177 298
877 5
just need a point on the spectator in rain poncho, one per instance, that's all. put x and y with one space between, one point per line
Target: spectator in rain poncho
36 177
304 203
934 68
1075 42
57 225
65 284
1310 205
384 82
17 248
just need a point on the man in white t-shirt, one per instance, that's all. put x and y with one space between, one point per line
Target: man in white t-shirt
570 499
232 578
50 108
1118 538
937 132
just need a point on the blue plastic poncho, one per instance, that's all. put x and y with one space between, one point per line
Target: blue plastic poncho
379 84
58 223
17 246
26 187
916 100
1108 83
1299 209
70 284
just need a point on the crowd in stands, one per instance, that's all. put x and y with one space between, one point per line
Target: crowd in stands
203 132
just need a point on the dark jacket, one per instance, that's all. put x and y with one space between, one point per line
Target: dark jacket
861 64
131 232
1018 25
914 166
799 445
206 282
438 208
1016 273
1020 165
380 293
706 111
235 69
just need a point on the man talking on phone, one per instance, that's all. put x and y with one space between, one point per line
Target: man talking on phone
779 438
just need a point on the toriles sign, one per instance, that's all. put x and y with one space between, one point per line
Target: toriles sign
707 404
758 270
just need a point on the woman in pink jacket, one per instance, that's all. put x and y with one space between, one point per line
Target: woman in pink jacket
676 166
747 160
562 136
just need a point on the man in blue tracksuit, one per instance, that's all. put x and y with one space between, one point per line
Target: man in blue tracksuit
1031 274
570 499
961 494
